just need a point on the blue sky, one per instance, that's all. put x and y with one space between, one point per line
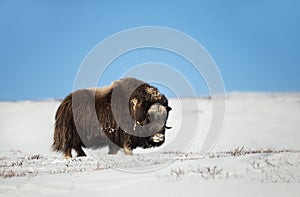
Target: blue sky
256 44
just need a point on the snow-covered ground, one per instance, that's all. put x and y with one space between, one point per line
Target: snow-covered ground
257 153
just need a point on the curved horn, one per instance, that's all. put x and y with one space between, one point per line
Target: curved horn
158 116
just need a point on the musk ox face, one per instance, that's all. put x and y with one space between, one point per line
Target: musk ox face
125 115
140 104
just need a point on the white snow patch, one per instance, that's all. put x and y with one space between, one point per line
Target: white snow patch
265 125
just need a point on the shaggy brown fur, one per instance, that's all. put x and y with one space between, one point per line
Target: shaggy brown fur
85 118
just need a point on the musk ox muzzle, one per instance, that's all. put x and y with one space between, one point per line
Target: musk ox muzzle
125 115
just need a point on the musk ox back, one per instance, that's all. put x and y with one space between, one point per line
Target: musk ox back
125 115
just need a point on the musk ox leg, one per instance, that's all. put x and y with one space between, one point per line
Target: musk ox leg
127 150
68 153
113 149
80 152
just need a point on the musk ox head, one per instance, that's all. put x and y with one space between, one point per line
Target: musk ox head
147 111
129 114
150 118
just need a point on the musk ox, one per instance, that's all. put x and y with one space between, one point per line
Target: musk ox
125 115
